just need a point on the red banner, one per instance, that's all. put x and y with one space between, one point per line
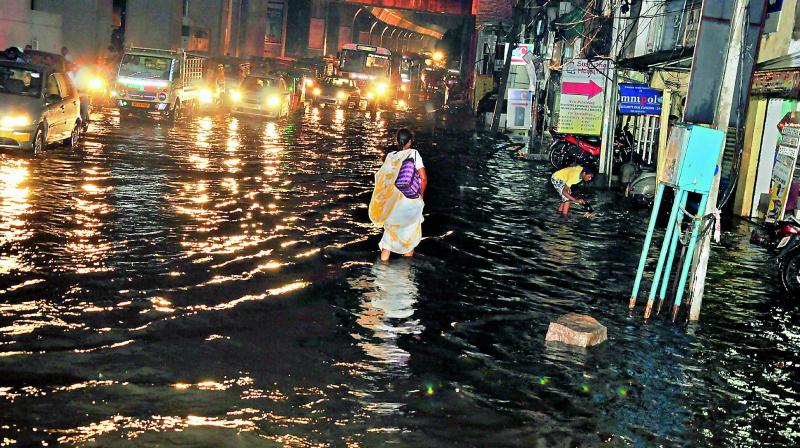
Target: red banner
459 7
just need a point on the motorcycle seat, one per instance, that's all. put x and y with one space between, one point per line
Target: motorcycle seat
591 139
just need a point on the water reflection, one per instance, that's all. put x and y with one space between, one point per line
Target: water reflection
239 303
390 293
14 206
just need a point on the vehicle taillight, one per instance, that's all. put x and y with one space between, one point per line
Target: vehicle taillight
789 230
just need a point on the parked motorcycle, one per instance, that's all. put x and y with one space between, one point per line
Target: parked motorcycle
789 256
568 149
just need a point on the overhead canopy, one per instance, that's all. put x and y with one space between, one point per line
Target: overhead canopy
678 59
778 78
786 62
400 19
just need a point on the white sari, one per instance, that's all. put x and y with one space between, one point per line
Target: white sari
400 217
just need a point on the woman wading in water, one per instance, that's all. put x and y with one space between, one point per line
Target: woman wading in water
397 202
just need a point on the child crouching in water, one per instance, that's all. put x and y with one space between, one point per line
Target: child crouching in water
564 179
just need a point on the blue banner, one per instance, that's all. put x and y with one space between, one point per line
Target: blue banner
639 99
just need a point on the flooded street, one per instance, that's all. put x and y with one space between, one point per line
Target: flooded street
214 283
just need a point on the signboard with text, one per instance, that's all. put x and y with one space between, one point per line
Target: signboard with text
519 52
783 171
639 99
581 103
518 115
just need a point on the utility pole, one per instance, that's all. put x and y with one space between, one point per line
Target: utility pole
501 90
610 90
739 23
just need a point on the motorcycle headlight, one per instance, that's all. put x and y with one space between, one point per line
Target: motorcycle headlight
403 88
401 104
236 95
274 100
15 121
317 91
370 95
206 96
340 95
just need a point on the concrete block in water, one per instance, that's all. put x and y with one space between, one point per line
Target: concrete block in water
577 329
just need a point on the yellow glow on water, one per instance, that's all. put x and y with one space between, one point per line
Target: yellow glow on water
14 205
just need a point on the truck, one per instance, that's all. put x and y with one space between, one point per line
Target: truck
161 81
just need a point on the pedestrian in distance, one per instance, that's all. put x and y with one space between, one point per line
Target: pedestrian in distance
564 179
397 200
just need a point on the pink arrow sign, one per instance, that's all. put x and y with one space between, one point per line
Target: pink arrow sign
589 89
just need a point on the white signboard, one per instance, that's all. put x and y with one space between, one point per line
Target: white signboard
518 115
581 104
783 171
519 52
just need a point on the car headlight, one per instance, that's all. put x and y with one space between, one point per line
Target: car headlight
340 95
381 88
123 93
309 82
15 121
206 96
317 91
95 83
274 100
236 95
162 96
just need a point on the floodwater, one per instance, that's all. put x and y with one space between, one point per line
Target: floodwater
214 283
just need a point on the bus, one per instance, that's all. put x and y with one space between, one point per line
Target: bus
371 68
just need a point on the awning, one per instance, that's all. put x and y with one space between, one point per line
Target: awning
678 59
787 62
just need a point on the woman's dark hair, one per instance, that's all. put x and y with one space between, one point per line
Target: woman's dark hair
404 136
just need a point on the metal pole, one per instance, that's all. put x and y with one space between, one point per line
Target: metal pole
609 108
382 33
651 226
370 31
353 33
393 42
730 70
669 236
688 261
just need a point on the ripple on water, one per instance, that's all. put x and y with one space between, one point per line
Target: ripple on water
214 282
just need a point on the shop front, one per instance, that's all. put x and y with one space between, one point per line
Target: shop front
775 102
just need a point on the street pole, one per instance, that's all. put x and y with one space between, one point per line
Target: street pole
610 100
501 90
739 23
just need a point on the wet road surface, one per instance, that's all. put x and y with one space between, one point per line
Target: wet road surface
214 283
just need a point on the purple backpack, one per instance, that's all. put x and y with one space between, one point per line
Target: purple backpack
408 181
